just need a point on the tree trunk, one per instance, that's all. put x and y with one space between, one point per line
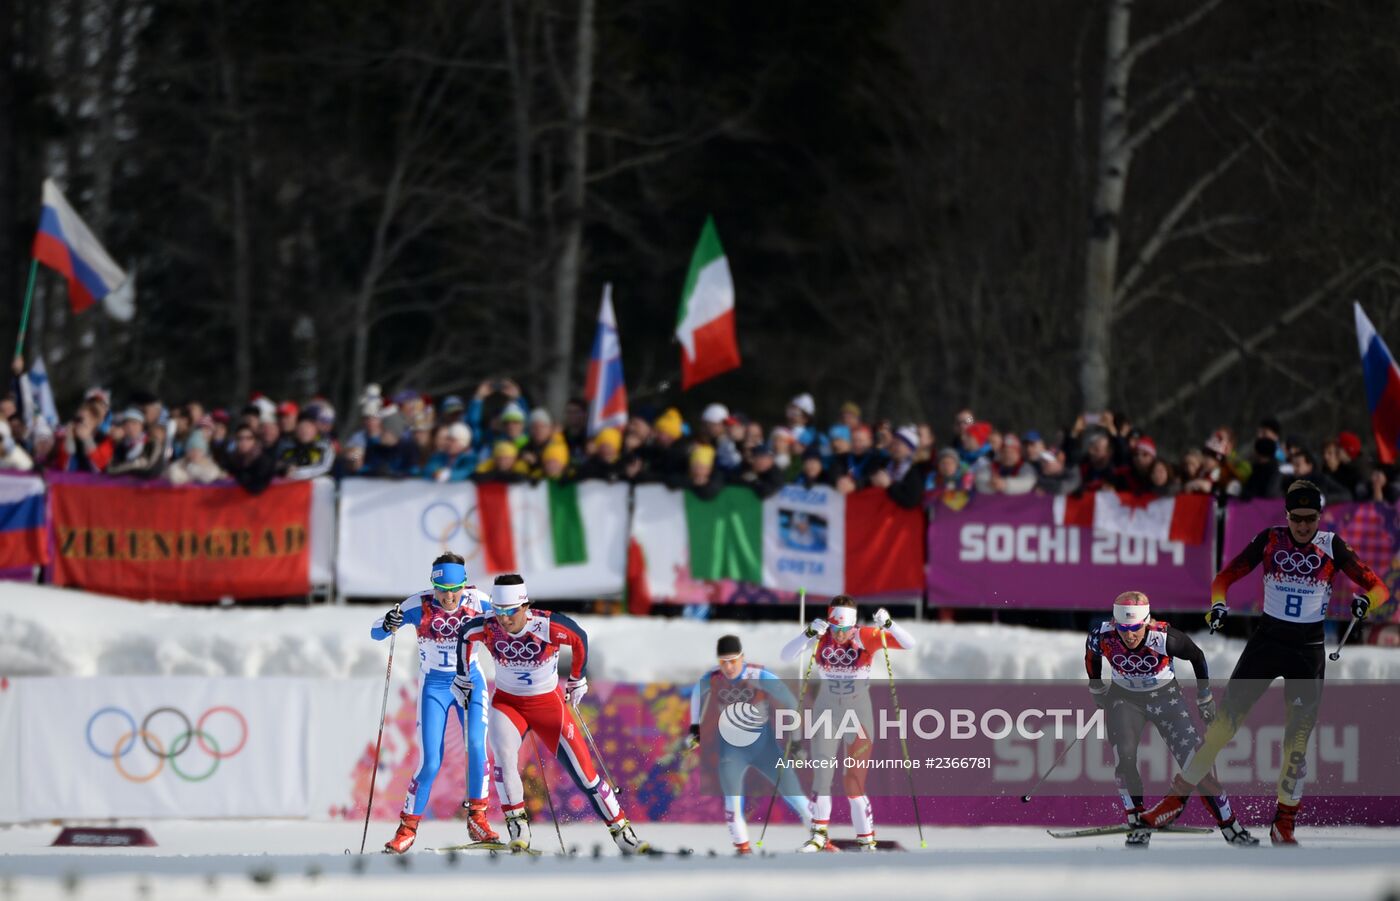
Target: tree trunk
10 282
520 62
240 276
1110 182
567 268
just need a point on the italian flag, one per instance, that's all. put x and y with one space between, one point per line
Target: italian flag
1184 518
526 528
817 539
705 325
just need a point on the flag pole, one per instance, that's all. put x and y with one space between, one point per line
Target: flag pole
28 298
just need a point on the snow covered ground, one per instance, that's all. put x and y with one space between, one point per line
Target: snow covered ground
55 632
278 859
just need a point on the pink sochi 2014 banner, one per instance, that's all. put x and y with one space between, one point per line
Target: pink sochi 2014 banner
998 551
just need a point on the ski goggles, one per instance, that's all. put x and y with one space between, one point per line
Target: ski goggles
1302 517
841 630
449 576
1130 627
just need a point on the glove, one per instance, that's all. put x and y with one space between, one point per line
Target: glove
1206 705
692 741
817 628
883 620
462 690
575 689
393 619
1360 605
1100 694
1216 617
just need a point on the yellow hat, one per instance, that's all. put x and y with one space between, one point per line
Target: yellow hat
557 451
702 454
669 423
610 437
503 448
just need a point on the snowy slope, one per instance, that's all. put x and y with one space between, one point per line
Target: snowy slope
47 631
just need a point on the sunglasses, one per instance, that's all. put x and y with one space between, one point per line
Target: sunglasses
437 587
842 629
1294 517
1124 627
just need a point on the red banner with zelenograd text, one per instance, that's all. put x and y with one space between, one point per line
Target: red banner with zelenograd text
161 542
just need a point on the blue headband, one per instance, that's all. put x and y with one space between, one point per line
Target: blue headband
449 576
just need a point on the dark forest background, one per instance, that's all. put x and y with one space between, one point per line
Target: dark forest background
916 198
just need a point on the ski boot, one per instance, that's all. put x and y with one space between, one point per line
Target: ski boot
1138 833
865 842
518 827
477 827
626 839
403 838
817 841
1235 834
742 848
1281 830
1165 811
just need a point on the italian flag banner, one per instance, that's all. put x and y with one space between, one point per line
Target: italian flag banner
817 539
569 541
1184 518
705 324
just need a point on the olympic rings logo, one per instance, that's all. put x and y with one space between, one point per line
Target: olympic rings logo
1133 663
734 695
187 737
1297 562
839 656
516 650
446 623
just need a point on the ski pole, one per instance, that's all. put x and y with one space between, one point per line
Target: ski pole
379 742
787 748
1026 798
1337 654
903 739
593 747
549 796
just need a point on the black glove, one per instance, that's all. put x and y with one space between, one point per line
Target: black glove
1205 703
1360 606
1100 693
692 741
1216 617
393 619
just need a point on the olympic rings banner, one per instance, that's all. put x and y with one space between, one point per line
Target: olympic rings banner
570 541
1370 529
180 543
163 746
1008 552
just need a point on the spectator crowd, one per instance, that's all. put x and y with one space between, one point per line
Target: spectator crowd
496 435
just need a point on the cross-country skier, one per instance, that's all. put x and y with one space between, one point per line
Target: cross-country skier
1299 562
1143 689
844 653
731 702
438 616
525 645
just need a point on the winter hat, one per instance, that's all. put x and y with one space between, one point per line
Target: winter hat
460 431
980 432
804 403
452 404
505 448
812 453
1130 608
512 413
557 451
715 413
851 407
1217 443
839 433
780 433
267 410
702 454
541 416
948 452
910 436
1031 436
610 437
728 647
130 414
669 423
197 441
1349 442
1303 495
288 408
1147 444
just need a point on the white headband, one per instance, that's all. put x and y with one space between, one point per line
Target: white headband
842 616
1130 614
508 597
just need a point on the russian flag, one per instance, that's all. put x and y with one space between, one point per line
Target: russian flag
606 394
1382 386
64 243
22 522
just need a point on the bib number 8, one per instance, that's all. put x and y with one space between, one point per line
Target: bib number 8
1293 605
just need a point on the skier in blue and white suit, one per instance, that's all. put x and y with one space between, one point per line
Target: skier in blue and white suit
740 718
438 615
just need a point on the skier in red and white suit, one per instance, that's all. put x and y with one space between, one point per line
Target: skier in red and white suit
843 657
525 645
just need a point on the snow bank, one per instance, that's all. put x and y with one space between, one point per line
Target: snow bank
46 631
